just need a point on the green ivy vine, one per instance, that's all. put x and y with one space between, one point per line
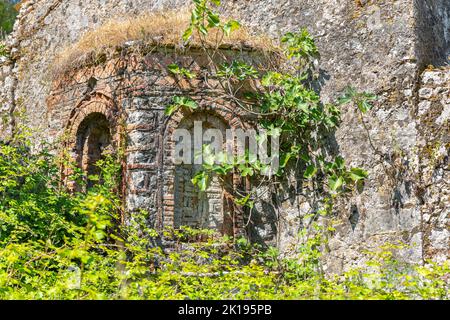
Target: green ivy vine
285 105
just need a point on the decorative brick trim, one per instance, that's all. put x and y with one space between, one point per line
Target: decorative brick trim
233 119
96 102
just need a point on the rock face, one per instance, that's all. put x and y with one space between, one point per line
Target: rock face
381 46
433 141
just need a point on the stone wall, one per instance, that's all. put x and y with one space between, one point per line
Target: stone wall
352 36
131 91
378 46
434 144
8 83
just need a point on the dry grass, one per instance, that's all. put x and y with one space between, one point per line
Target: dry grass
159 29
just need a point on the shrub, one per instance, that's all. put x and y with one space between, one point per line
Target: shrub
8 15
59 245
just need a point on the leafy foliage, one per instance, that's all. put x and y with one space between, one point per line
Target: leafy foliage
180 102
286 106
55 244
204 18
363 100
175 69
8 15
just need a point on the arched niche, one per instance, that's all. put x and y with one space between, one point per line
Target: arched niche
91 133
201 209
230 218
93 141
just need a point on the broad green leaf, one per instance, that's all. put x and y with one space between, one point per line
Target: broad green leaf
335 182
203 29
201 181
94 178
274 132
340 163
191 104
99 235
213 20
170 110
310 171
187 34
344 100
188 74
185 102
246 171
364 106
370 96
285 159
231 26
174 68
222 170
245 202
357 174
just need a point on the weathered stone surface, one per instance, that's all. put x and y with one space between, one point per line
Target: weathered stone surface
378 46
434 147
433 24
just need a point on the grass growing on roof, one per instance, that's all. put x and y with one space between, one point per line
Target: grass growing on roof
159 29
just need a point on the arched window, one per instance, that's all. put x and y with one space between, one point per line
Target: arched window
93 140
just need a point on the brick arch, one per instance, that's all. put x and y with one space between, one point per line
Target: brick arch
233 119
95 104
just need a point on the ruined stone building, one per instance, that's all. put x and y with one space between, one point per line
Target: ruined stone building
398 49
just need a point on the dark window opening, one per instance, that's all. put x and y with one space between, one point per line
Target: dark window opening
93 142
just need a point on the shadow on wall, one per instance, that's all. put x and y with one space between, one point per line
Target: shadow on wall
433 29
269 220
